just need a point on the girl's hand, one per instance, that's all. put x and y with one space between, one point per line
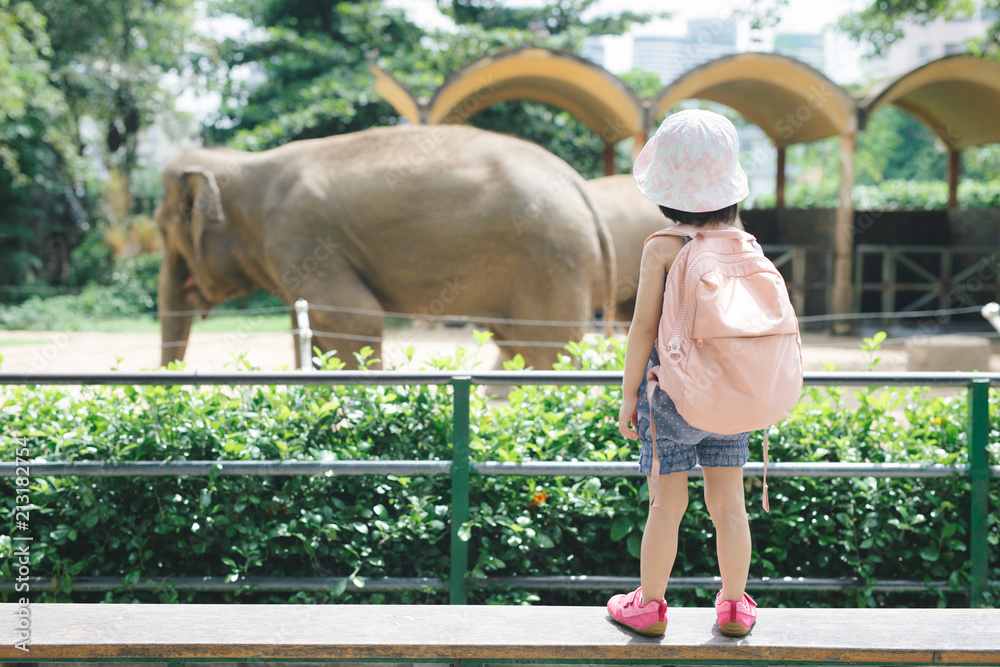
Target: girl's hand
629 414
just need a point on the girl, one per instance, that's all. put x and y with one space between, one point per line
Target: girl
690 169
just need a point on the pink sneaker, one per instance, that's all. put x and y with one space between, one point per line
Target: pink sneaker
736 617
650 620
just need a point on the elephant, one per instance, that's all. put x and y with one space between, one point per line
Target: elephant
431 220
631 218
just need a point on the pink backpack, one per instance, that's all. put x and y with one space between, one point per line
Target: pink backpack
728 339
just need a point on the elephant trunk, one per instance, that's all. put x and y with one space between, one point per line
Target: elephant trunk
177 300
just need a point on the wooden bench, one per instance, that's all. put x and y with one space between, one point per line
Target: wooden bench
484 634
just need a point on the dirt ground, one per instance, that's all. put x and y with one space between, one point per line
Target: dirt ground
27 351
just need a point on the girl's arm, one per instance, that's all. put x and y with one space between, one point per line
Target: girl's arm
657 256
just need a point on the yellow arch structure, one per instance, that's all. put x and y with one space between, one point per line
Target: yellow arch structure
398 95
598 98
957 97
789 100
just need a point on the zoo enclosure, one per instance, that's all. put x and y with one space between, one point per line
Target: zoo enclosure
461 466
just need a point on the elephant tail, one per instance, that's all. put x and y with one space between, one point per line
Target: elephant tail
608 260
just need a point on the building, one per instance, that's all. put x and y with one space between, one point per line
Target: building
921 44
804 47
593 50
706 39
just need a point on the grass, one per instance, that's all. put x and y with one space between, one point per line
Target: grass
149 324
13 342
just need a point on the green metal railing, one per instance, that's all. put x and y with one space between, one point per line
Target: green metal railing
461 467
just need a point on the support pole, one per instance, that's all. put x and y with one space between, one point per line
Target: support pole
979 472
459 489
843 242
638 142
609 159
954 175
779 180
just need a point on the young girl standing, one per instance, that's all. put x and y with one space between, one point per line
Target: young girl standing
689 168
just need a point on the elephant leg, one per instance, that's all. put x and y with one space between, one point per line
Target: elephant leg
541 345
346 333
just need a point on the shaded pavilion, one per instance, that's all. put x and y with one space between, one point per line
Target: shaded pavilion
792 103
958 97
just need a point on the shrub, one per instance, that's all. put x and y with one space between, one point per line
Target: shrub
890 195
374 526
131 290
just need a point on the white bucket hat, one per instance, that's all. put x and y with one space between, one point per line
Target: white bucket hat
692 163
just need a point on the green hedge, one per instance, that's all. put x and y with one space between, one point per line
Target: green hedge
890 195
374 526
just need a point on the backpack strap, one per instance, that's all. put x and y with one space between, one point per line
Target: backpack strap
652 382
767 505
688 231
693 231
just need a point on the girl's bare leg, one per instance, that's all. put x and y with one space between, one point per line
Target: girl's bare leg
659 541
727 505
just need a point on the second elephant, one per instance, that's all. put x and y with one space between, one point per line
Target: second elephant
631 218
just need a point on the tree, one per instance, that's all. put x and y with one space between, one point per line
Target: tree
554 18
38 208
302 72
880 24
109 58
895 145
306 74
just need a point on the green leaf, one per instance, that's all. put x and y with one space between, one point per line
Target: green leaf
621 527
634 544
930 554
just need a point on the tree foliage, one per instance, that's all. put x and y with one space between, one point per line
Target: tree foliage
37 155
64 65
109 58
880 24
304 71
553 18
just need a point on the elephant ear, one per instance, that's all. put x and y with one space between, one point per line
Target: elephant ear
206 202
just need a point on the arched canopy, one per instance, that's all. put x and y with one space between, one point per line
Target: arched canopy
595 96
792 102
398 95
958 97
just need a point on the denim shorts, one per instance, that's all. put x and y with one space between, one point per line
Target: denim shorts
682 446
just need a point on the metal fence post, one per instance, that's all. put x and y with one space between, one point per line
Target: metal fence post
459 488
304 333
979 472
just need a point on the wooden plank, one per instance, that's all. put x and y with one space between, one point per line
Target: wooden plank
75 632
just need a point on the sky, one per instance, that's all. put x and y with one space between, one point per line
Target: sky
806 16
